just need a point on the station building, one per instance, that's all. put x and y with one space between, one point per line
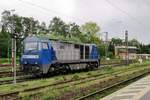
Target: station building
121 52
143 56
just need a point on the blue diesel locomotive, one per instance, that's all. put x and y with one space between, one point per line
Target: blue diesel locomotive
42 56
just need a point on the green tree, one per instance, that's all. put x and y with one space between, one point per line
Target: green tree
24 26
42 29
74 29
5 44
89 31
134 42
58 27
5 39
116 41
19 25
145 49
90 27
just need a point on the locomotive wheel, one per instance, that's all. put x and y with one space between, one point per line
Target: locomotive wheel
96 65
92 66
68 69
51 70
88 67
63 69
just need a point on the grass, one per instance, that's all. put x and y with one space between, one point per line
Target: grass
43 82
7 69
11 78
3 69
88 86
7 60
6 78
112 61
114 89
103 61
75 76
52 93
4 61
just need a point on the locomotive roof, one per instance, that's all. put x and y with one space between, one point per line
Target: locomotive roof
35 38
45 39
71 42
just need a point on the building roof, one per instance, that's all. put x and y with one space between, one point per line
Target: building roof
143 54
123 47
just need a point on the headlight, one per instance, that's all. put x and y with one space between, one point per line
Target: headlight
31 56
36 62
25 62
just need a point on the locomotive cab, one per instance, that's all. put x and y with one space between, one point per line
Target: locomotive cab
36 55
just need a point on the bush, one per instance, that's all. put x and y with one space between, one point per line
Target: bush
89 73
26 98
75 77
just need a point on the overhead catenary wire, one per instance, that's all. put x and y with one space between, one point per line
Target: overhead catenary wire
51 11
124 12
140 23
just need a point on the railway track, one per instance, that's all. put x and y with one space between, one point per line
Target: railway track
24 78
16 93
19 73
19 79
9 74
91 95
5 65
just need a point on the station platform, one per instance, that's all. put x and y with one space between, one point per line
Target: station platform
139 90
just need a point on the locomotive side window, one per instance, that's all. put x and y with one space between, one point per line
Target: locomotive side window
81 52
45 45
76 46
62 46
87 52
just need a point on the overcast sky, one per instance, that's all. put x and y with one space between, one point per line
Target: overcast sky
113 16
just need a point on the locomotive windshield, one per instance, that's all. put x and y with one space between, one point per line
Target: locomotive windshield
31 46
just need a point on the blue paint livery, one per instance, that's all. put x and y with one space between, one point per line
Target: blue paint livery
43 58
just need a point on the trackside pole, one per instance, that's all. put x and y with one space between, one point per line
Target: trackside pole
13 34
126 43
14 58
106 45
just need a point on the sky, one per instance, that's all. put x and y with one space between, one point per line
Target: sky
113 16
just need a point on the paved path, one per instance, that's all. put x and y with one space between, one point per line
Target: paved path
139 90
